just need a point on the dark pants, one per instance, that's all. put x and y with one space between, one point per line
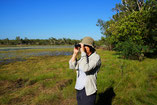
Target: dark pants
83 99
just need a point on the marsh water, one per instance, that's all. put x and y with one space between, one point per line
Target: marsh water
32 47
12 54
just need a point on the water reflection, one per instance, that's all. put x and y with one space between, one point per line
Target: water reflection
32 47
7 61
9 57
55 53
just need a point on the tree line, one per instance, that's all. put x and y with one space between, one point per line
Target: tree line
132 30
50 41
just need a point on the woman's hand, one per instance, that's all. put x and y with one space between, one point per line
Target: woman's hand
76 50
82 47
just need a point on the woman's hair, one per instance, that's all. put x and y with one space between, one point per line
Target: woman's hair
92 49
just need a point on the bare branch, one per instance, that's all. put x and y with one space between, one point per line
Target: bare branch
126 5
139 8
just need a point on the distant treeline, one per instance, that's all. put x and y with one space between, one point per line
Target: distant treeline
26 41
50 41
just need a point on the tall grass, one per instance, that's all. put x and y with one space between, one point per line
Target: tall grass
134 82
47 80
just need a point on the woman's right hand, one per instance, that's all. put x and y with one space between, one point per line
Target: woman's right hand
76 50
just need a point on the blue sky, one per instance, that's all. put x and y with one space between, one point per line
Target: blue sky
42 19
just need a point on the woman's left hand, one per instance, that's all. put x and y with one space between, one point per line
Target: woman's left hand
82 49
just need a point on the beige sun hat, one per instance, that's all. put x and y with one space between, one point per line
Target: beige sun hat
88 41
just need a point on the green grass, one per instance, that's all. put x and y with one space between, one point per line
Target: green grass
134 82
47 80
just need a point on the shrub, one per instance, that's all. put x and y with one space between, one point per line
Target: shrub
130 50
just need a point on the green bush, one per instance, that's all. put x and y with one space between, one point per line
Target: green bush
132 32
130 50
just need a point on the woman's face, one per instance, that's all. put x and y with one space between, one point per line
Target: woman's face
87 49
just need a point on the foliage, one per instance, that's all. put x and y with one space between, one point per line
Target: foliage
131 50
100 42
135 22
50 41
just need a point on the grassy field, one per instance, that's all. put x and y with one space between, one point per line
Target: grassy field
47 80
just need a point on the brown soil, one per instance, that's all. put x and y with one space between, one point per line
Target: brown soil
62 84
9 86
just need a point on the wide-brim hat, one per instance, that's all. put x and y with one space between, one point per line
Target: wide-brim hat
88 41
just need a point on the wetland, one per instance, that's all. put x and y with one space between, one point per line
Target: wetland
12 54
42 77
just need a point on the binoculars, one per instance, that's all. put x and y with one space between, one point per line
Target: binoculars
77 45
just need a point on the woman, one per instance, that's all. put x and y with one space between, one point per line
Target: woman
86 69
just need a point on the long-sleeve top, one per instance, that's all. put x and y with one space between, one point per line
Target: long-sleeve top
88 66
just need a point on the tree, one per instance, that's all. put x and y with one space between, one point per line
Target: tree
6 41
18 40
135 22
26 41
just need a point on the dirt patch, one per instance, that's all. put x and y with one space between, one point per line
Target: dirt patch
15 100
71 101
24 100
62 84
5 86
20 83
9 86
31 82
